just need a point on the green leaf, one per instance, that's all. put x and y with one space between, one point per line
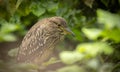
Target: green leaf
73 68
52 7
69 57
110 20
8 27
93 49
24 10
77 34
92 33
37 9
8 37
113 34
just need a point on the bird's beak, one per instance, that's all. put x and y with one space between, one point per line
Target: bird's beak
68 31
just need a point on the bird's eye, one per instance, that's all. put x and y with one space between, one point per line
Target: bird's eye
59 25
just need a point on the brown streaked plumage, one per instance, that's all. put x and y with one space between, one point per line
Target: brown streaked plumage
41 39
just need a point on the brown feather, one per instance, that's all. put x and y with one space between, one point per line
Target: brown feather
40 40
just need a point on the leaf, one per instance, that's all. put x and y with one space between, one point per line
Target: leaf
110 20
73 68
52 7
24 10
77 34
69 57
37 9
92 33
93 49
8 37
113 34
8 27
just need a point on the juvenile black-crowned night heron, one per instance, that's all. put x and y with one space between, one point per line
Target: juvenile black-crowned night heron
41 39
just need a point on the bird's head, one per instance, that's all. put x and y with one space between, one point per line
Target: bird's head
61 25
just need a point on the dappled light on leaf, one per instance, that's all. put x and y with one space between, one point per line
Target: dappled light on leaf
108 19
70 57
92 33
7 28
8 37
93 49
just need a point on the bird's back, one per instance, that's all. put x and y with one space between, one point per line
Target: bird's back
37 44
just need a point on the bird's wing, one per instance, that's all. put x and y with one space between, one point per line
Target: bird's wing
35 44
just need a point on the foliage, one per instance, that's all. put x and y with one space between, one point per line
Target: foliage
96 24
12 67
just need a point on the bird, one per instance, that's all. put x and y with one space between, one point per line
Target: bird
40 41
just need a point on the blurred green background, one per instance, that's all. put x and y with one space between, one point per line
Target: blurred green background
96 24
